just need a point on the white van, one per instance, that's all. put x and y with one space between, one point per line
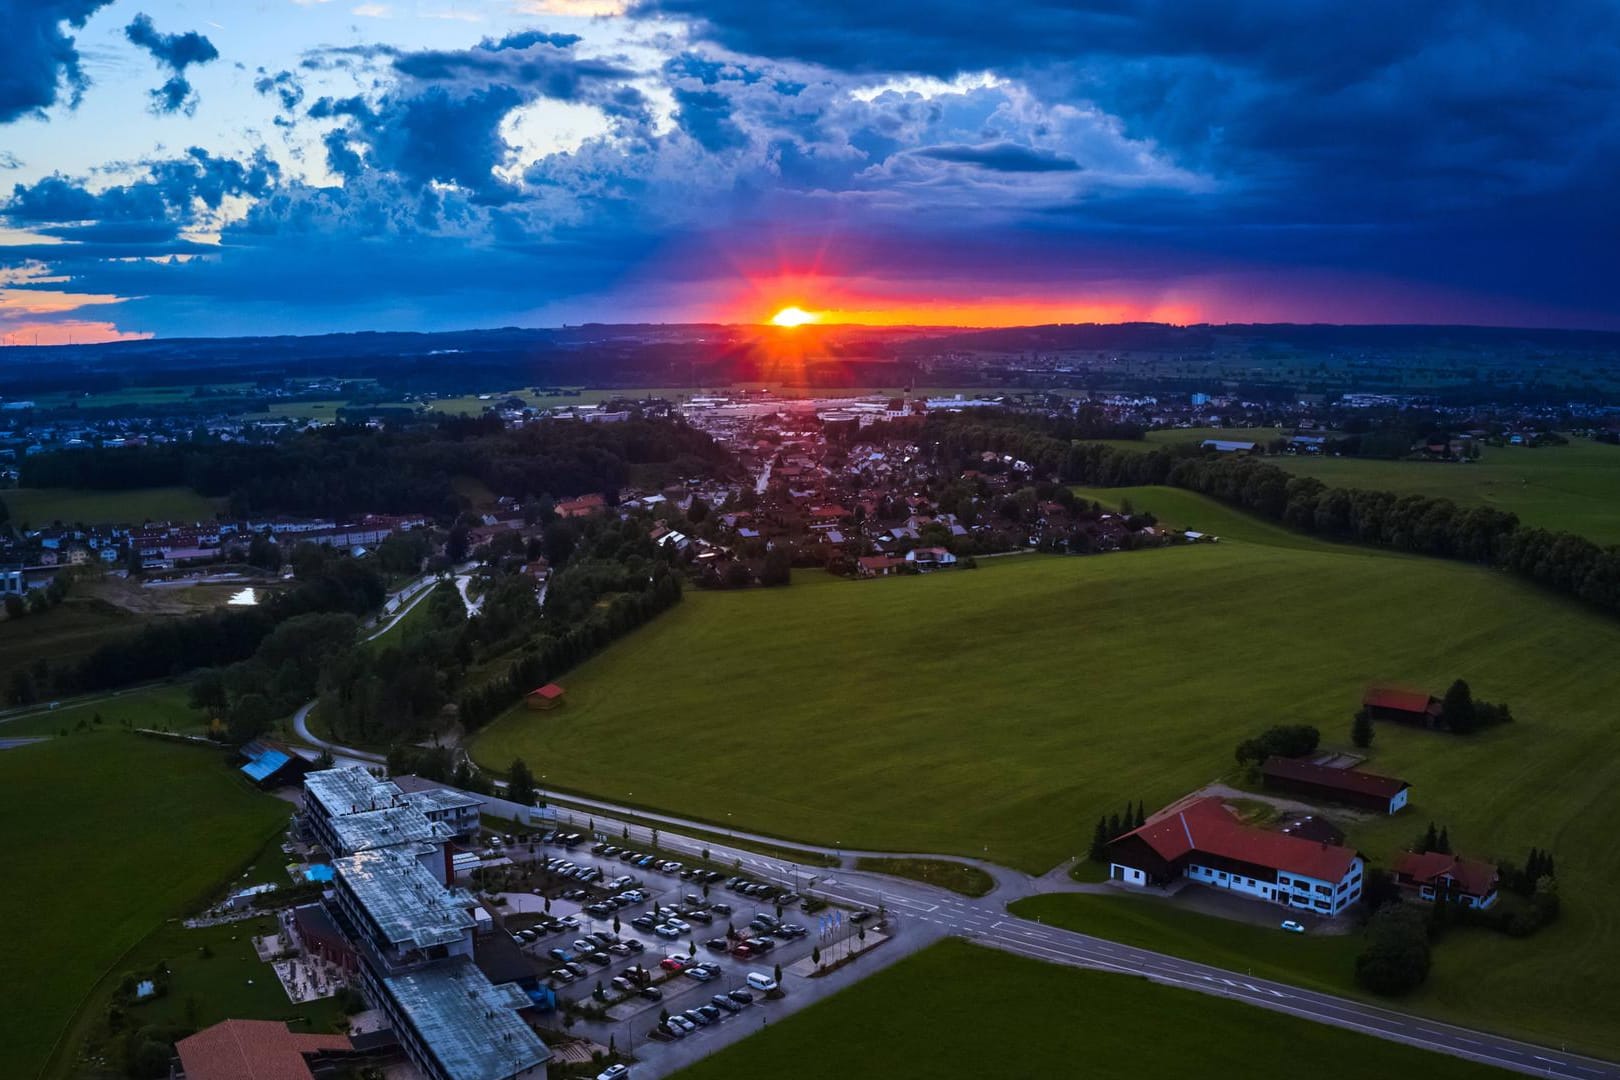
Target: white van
760 980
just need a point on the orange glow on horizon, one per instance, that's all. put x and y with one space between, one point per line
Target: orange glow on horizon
781 301
795 316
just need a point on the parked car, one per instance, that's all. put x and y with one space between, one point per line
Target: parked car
860 917
720 909
699 974
614 1072
741 997
622 984
634 946
665 930
710 1011
680 1019
562 975
672 963
726 1003
717 944
559 954
1293 927
697 1018
652 993
762 981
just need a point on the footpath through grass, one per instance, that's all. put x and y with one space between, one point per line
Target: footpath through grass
111 834
956 1009
955 876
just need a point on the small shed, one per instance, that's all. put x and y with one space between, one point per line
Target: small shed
546 697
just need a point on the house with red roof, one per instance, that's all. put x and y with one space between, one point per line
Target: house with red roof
1433 876
1402 706
878 565
1203 841
1369 791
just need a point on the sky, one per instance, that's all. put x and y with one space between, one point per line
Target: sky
226 167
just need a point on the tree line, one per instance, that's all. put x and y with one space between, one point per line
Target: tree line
329 582
340 470
1420 524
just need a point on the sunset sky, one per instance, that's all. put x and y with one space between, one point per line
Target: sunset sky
214 167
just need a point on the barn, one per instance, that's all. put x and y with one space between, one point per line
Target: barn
543 698
1369 791
1415 707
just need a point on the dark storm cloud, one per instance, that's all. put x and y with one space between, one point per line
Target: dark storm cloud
175 52
1000 157
162 198
37 58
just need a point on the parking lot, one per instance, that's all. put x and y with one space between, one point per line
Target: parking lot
627 935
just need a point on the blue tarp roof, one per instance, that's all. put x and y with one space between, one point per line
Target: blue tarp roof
265 764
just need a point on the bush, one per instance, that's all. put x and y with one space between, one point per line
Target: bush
1284 740
1396 959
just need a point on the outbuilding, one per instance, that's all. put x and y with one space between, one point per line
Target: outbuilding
1369 791
543 698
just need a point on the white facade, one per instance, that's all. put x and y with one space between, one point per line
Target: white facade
1327 898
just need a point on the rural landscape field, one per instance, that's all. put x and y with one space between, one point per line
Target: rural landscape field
1080 684
938 1022
129 833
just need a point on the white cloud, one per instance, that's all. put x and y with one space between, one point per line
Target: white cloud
374 11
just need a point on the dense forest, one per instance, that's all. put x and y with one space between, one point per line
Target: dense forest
1421 524
343 470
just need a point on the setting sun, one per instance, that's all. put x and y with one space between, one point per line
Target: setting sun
794 316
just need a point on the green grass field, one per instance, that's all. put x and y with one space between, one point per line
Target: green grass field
110 834
228 982
62 635
1575 488
998 712
962 1010
42 506
1321 962
1317 961
955 876
162 707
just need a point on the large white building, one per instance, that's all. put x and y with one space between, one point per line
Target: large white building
1201 840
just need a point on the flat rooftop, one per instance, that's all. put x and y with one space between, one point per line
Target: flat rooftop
438 798
388 827
349 790
469 1025
404 900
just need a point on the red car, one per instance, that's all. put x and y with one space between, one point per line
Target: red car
672 963
743 950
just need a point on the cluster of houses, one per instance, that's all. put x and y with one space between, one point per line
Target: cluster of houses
170 545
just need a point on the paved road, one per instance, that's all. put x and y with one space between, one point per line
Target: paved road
926 914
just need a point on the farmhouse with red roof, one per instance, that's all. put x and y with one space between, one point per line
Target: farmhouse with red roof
1434 875
1201 840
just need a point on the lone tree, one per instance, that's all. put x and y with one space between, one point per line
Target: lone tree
520 787
1457 710
1361 730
